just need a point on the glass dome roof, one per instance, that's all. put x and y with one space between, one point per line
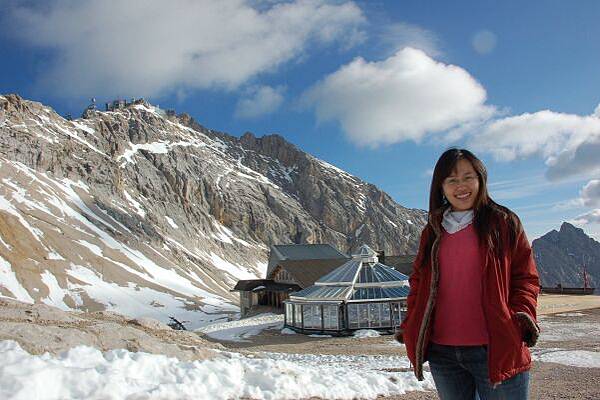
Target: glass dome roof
361 278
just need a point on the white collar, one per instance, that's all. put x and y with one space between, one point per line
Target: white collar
454 221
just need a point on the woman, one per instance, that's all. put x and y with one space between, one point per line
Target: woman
473 291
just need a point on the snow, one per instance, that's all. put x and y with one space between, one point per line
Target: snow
226 235
9 280
358 231
288 331
333 168
7 206
574 358
366 333
138 207
171 222
91 247
86 373
56 293
555 331
144 108
572 314
235 270
83 127
361 201
80 140
242 329
53 255
8 246
409 221
154 147
142 301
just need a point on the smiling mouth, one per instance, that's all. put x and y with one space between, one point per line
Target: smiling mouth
462 196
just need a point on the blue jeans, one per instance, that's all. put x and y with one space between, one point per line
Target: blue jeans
461 373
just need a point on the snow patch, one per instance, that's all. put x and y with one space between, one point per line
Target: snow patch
56 293
366 333
9 281
138 207
171 222
85 373
573 358
240 330
235 270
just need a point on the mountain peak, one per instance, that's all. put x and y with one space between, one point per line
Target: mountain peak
560 254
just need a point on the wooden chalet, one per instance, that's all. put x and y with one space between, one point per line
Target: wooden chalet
291 268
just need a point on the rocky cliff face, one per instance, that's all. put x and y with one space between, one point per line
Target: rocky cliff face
560 255
153 214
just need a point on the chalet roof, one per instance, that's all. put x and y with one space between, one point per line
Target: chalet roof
403 264
256 285
306 252
316 259
306 272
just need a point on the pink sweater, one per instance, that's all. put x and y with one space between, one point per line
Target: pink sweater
459 318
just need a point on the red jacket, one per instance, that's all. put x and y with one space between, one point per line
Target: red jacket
509 297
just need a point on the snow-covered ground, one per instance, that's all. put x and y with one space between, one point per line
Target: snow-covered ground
574 358
86 373
243 329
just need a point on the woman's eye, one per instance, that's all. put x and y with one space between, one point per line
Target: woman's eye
452 181
469 178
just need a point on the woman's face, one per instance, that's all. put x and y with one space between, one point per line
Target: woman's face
461 186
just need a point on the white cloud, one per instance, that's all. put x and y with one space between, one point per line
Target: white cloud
590 194
152 48
259 100
484 42
592 217
404 97
569 143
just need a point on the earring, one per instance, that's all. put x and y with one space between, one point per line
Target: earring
444 199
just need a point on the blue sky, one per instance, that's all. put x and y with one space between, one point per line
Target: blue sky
377 88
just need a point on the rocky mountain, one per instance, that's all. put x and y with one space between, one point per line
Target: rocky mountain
559 256
148 213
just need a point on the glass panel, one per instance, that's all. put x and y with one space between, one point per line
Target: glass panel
374 315
385 314
396 314
330 316
289 314
317 317
363 315
306 316
345 273
312 316
353 316
298 315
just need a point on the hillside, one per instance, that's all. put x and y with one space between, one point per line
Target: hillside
148 213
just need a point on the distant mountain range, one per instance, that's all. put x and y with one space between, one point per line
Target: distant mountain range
146 212
559 256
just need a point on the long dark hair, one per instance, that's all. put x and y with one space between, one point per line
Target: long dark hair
487 213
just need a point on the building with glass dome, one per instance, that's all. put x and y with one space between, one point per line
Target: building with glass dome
360 294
